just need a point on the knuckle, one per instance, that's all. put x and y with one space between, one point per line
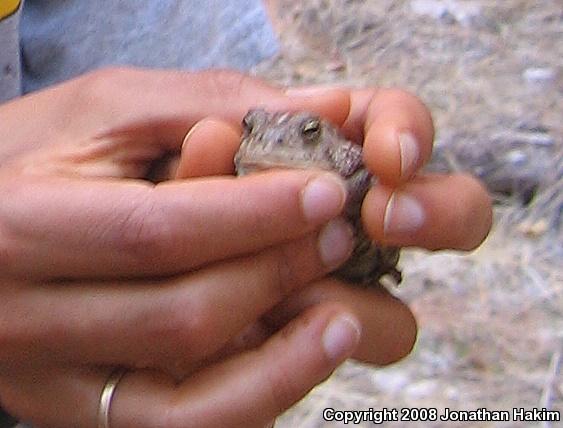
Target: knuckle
286 274
225 83
282 387
185 325
200 325
296 263
144 232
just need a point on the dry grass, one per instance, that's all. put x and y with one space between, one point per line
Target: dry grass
491 322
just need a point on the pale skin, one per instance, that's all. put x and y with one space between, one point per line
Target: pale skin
212 289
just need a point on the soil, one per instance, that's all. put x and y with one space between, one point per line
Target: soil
491 322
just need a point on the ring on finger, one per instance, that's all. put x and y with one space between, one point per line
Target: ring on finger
107 395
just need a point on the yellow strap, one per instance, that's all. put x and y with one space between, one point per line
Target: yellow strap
7 7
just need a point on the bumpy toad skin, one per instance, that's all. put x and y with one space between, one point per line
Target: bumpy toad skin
304 140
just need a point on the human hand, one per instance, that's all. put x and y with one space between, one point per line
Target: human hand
100 268
168 125
407 207
98 265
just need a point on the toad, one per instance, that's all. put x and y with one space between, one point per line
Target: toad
304 140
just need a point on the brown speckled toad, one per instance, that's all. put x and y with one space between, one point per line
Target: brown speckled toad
304 140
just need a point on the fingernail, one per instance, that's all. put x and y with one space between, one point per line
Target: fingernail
335 243
309 91
409 154
323 198
341 337
403 214
190 133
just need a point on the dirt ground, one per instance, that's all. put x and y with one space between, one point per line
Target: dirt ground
491 322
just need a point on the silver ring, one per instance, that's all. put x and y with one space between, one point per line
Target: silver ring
107 395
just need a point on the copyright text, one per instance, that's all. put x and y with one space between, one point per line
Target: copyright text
413 414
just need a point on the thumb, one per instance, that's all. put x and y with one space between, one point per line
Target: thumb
171 102
160 104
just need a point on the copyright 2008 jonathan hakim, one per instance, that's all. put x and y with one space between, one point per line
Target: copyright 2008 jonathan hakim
430 414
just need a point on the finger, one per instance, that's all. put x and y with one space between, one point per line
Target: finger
58 397
397 130
248 390
278 374
161 103
172 323
53 227
209 149
136 104
388 326
432 211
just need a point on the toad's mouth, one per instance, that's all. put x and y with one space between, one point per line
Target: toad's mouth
251 165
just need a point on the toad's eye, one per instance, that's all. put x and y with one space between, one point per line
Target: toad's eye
311 129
